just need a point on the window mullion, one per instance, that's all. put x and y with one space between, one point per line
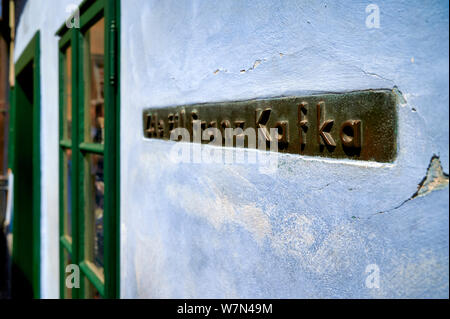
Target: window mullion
75 153
65 144
111 129
92 162
93 277
92 148
61 172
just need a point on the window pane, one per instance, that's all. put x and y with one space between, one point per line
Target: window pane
90 291
94 49
68 94
67 187
67 261
94 198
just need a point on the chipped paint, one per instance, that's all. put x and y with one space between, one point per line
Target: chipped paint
435 179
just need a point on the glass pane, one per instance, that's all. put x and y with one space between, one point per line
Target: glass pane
67 261
90 291
67 193
68 94
94 198
94 53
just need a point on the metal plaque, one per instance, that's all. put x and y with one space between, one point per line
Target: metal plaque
358 125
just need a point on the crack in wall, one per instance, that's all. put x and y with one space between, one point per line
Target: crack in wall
434 180
255 64
374 75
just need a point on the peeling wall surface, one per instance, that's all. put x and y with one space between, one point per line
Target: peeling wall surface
314 227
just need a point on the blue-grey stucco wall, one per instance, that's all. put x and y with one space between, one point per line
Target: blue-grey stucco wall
311 228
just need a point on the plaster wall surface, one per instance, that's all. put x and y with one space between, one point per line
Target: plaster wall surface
314 227
311 228
47 16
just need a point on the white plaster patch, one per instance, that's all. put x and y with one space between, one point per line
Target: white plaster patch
336 253
296 236
425 271
333 255
149 267
220 210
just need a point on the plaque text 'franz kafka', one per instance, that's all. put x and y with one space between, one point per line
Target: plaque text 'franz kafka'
358 125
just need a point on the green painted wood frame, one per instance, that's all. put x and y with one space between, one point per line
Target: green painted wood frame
90 12
31 55
69 39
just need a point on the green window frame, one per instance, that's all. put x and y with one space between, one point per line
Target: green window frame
75 142
26 255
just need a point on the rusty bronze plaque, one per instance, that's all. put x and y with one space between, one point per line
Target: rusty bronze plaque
358 125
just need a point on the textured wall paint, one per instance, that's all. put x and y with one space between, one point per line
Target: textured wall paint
310 229
47 16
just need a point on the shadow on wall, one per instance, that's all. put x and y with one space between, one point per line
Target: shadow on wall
19 6
4 258
22 288
11 273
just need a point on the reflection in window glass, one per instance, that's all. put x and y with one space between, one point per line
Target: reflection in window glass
67 261
67 193
90 291
94 52
67 125
94 199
